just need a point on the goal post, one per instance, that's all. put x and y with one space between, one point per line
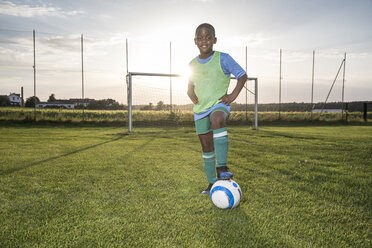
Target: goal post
131 75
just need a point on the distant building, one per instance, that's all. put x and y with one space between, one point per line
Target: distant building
15 99
79 101
327 110
67 104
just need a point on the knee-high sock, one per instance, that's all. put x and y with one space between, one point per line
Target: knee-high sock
210 166
221 146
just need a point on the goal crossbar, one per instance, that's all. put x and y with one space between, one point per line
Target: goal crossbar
130 76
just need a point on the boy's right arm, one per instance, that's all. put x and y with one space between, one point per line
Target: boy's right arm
191 94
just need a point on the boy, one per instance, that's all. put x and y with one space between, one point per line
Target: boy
207 89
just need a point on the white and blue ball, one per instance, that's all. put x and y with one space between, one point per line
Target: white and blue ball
226 194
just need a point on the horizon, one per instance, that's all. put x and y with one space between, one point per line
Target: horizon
155 103
298 28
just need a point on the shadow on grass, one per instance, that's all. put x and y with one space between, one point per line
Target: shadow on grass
273 134
9 171
240 227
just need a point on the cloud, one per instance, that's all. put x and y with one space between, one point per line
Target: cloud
251 40
63 52
15 52
195 1
12 9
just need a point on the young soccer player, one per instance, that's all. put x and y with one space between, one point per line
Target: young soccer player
207 89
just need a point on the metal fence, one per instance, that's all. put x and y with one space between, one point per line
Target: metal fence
88 66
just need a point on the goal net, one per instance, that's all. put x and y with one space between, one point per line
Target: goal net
156 99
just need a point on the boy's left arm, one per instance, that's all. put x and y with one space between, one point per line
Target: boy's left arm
229 98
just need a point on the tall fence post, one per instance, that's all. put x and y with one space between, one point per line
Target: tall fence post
34 66
129 96
82 74
312 87
256 104
246 85
280 82
343 85
126 55
129 90
170 78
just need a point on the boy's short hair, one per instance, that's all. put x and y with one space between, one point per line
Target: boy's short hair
207 26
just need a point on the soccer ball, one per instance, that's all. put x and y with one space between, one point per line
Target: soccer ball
225 194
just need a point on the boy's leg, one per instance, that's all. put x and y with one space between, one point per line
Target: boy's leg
221 143
204 131
206 141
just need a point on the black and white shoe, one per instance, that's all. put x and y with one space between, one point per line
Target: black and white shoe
207 190
223 173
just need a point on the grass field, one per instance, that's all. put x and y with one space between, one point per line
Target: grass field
64 186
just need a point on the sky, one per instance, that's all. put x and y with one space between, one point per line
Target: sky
160 39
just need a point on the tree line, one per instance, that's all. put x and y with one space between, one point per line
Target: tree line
303 107
110 104
104 104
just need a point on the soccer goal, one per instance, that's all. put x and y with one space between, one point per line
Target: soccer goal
131 76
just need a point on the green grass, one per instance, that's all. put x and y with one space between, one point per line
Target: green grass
100 187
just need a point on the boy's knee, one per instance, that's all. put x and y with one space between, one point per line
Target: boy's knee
218 120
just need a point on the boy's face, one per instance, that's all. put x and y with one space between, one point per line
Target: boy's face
205 40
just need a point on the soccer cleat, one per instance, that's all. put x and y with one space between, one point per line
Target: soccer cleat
223 173
207 190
